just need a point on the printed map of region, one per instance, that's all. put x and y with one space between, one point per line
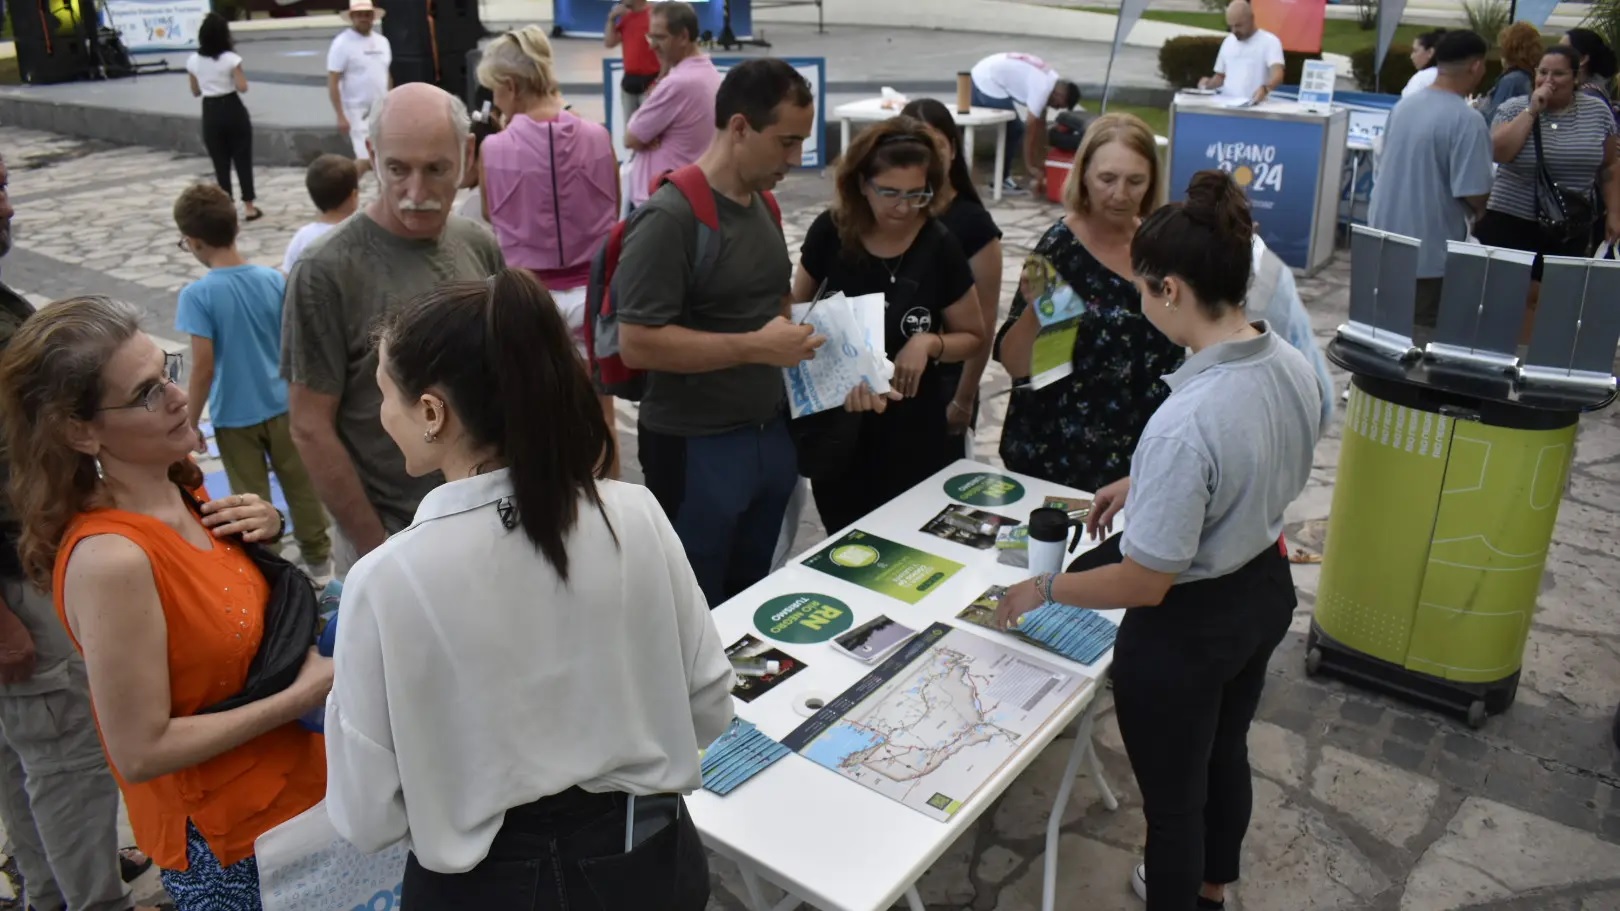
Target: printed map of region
936 720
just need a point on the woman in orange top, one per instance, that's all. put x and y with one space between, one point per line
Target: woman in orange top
165 606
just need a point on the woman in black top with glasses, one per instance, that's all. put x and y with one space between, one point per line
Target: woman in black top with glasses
880 236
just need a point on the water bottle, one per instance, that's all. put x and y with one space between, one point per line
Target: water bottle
1048 538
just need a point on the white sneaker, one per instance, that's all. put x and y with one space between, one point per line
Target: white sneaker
1139 881
320 573
1010 187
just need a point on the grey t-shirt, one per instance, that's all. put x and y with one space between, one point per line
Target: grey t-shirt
1437 150
743 292
337 292
1222 458
1573 141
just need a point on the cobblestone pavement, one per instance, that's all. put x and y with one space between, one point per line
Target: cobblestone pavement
1360 802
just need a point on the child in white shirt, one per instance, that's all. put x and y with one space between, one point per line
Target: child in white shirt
333 183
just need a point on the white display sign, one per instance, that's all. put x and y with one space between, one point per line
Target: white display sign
1316 86
155 25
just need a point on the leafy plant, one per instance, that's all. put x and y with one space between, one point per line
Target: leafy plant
1487 18
1604 18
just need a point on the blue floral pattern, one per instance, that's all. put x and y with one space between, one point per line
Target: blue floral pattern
207 886
1081 430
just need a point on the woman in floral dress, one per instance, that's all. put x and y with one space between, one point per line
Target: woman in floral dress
1080 429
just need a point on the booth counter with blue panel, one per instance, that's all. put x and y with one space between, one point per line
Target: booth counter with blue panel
588 17
1287 158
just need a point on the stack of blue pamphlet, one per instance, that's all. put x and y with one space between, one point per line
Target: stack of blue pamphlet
738 755
1075 633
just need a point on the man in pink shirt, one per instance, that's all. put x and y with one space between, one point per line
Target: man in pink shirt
675 122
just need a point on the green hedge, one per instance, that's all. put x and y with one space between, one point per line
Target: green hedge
1398 69
1185 60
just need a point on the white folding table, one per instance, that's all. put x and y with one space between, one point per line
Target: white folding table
831 842
871 110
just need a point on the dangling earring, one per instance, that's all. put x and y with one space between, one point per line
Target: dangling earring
101 474
429 436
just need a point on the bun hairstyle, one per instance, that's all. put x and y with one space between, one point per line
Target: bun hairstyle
1205 241
503 359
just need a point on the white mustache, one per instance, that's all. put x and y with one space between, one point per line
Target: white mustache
429 205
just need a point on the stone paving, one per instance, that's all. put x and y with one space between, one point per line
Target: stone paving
1360 802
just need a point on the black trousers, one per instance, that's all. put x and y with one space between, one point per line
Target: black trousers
566 851
1187 679
228 137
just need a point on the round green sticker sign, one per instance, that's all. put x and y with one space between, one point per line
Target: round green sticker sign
984 489
803 618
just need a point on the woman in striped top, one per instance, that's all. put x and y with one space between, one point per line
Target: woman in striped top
1578 143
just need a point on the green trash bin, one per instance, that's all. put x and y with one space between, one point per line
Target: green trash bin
1448 488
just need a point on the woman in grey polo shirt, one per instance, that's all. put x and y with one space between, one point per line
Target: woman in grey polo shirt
1200 560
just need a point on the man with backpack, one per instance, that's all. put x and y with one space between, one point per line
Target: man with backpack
700 291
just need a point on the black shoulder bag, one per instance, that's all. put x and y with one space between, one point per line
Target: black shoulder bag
289 625
1564 216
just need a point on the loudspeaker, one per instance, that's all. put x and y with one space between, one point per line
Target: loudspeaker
431 39
54 39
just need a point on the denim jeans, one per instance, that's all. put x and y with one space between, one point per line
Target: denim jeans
1015 127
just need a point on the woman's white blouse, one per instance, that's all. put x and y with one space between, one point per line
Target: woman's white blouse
470 679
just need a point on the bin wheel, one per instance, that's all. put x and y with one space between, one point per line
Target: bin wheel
1313 662
1476 714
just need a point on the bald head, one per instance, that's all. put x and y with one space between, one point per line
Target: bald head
1240 19
419 108
420 138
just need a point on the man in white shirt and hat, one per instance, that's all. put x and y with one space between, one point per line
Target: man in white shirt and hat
1250 62
357 73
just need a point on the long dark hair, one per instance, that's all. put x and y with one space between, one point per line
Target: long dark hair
502 355
935 114
214 36
1600 62
1206 241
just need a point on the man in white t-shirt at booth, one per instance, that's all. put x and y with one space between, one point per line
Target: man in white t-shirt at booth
357 74
1250 64
1026 85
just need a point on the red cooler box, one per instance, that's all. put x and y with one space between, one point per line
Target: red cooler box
1058 165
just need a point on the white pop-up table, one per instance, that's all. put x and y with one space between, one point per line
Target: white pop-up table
829 841
872 110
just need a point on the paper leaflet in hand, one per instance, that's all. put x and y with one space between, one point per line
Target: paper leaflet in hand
852 355
1057 308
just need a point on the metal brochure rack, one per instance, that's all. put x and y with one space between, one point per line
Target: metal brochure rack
1452 467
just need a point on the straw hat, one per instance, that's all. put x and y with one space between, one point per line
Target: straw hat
362 6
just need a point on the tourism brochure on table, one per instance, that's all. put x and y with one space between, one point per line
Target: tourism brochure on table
884 566
1057 308
853 353
936 720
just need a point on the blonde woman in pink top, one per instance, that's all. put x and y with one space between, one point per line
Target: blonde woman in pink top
550 182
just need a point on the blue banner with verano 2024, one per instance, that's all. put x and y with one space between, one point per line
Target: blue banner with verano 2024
1277 162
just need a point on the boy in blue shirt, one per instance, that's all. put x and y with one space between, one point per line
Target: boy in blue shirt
233 315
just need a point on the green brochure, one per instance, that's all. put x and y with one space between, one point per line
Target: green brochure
884 566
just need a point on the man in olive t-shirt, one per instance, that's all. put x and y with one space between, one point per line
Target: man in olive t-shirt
713 436
402 245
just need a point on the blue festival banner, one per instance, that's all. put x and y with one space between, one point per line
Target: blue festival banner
1535 12
589 17
1277 162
